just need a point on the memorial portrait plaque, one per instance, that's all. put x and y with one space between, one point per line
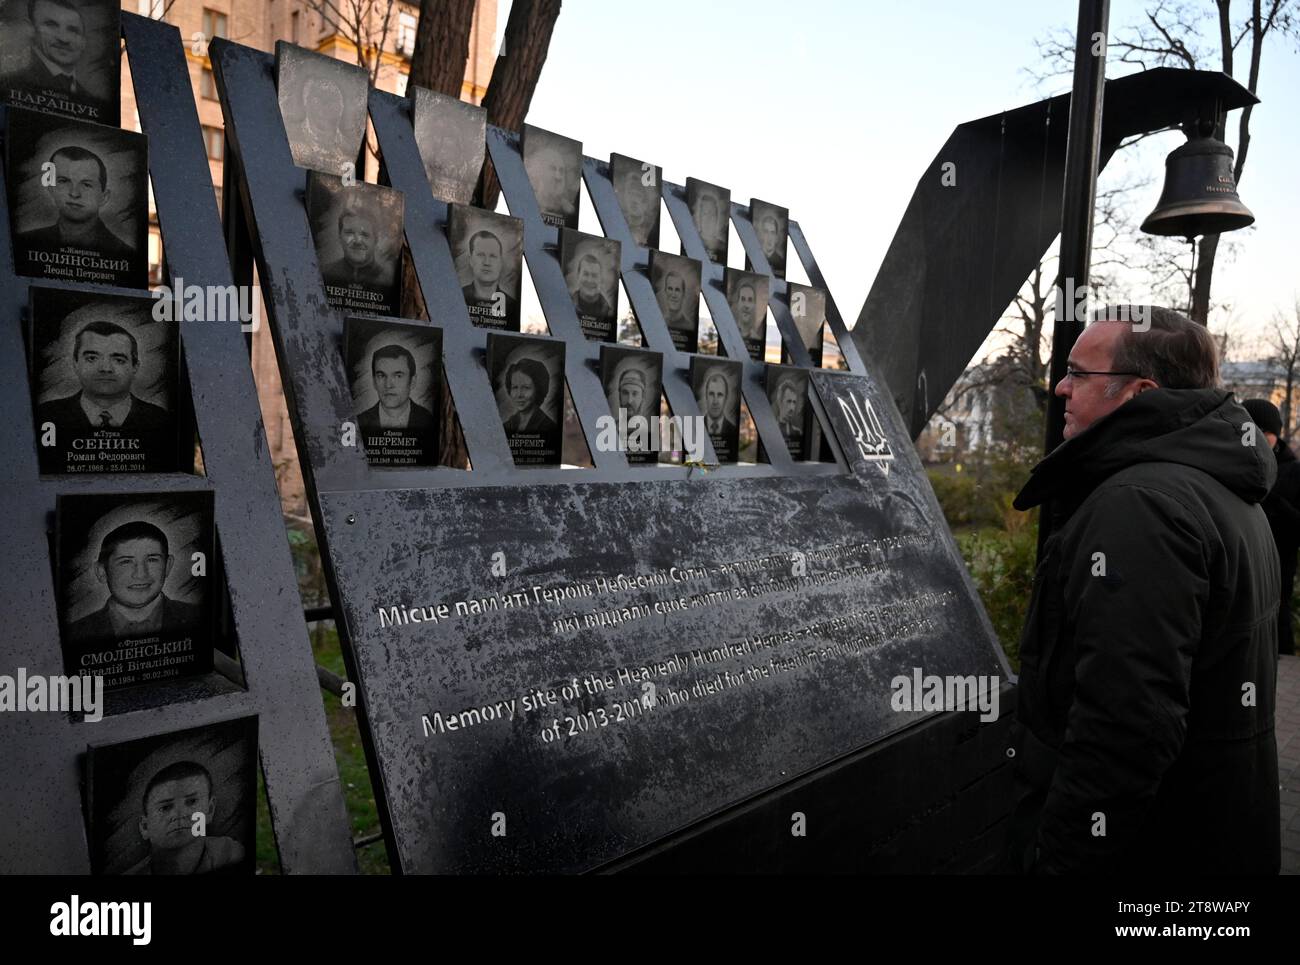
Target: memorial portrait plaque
633 379
771 224
636 185
135 595
183 803
554 166
395 371
63 57
323 105
591 271
808 309
104 384
451 137
711 209
78 200
747 296
358 230
787 390
489 253
676 282
528 377
716 384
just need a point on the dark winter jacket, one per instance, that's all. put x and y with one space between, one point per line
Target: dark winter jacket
1145 727
1282 507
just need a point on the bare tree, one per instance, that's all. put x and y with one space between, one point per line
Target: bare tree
365 24
1190 34
1283 341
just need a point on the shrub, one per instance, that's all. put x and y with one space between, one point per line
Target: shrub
1001 563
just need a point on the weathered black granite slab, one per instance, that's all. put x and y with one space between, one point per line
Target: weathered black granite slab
799 652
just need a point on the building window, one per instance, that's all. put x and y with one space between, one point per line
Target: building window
293 27
153 9
208 85
214 23
215 139
155 256
406 27
217 188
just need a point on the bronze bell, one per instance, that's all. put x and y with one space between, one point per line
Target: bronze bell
1200 193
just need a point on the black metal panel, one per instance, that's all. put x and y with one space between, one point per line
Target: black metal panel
633 775
946 816
961 252
41 824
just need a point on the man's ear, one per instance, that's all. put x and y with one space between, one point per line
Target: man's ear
167 568
103 198
101 574
144 828
1142 385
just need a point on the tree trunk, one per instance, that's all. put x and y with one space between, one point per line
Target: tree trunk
442 45
514 78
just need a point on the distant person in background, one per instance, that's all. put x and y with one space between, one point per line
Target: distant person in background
1282 507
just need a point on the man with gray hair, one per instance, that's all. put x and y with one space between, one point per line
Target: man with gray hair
1144 740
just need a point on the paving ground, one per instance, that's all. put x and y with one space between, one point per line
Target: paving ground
1288 759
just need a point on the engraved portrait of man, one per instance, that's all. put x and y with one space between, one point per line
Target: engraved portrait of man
59 33
788 397
62 57
133 564
744 307
549 174
322 117
174 799
713 230
714 405
175 803
359 238
80 191
487 261
587 295
393 372
639 204
106 360
672 300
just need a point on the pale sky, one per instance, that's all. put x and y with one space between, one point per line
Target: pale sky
834 108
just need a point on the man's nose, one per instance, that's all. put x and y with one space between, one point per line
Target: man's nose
1061 389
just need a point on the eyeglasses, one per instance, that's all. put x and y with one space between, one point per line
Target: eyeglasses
1078 373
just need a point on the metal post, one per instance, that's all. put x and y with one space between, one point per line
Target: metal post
1082 151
